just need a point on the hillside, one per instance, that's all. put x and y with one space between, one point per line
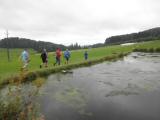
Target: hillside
15 42
147 35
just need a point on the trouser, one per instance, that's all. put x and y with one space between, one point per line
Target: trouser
58 61
25 64
86 57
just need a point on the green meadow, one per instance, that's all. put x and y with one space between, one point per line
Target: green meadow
12 67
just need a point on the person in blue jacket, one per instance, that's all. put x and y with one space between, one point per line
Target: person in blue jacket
25 59
86 55
67 55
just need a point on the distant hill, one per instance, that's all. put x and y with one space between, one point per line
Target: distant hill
147 35
15 42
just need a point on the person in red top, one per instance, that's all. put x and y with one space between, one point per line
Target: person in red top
58 56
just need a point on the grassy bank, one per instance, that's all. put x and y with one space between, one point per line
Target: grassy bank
151 46
11 69
32 75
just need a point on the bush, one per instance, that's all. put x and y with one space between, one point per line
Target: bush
157 49
151 50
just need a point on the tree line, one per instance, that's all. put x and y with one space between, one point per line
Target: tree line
16 42
147 35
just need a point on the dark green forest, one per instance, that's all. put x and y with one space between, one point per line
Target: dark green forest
147 35
15 42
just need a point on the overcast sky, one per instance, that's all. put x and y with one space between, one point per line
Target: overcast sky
81 21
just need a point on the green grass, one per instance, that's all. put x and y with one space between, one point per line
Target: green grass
151 46
11 68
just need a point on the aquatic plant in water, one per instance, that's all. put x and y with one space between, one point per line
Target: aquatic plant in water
19 103
73 98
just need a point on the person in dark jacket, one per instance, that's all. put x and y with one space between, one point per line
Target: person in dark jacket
85 55
44 57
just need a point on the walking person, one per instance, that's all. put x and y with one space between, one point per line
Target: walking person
44 57
58 56
25 59
67 56
86 55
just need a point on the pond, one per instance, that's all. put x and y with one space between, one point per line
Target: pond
128 89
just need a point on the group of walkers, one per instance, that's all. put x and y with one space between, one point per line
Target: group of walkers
44 56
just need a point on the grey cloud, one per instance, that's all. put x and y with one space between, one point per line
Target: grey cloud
70 18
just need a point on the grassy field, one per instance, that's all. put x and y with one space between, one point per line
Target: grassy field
13 67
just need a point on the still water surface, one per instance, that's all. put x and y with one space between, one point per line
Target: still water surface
127 89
